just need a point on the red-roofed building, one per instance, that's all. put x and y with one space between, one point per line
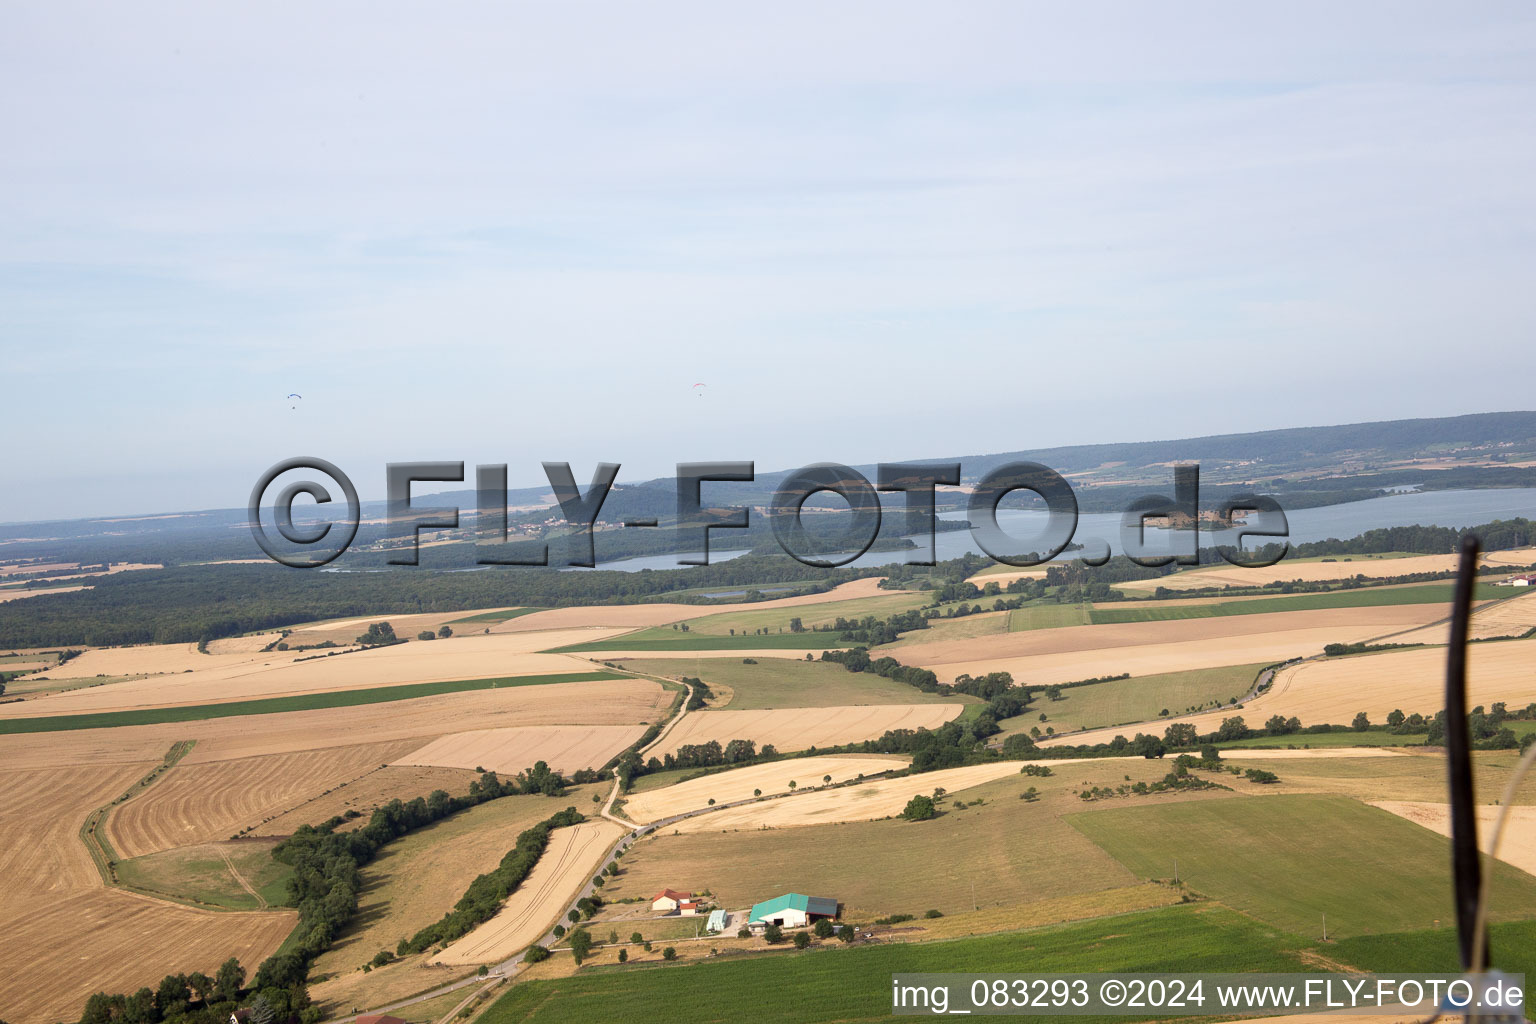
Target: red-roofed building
669 900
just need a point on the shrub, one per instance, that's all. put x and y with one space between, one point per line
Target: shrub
669 953
919 808
535 954
824 928
933 913
773 933
623 956
802 940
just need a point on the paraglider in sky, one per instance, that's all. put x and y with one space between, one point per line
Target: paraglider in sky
697 391
293 396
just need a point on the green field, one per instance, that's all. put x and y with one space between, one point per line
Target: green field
278 705
776 620
790 683
661 638
1138 699
1289 860
1512 946
1366 597
1048 616
200 876
995 851
838 984
501 616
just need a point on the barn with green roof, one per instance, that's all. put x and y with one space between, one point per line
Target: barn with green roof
792 910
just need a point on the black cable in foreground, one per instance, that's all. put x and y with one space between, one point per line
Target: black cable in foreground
1465 863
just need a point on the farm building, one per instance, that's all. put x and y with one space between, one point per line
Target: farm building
688 908
669 900
717 919
792 910
1523 581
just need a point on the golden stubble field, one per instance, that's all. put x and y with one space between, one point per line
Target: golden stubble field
57 914
574 853
744 783
860 802
196 803
242 676
1323 572
565 748
801 728
1046 656
1333 690
595 702
639 616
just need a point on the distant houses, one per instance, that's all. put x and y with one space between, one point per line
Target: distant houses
792 910
1521 581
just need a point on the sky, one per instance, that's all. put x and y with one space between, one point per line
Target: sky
513 233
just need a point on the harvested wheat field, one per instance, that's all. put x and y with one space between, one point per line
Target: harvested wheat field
237 678
638 616
197 803
369 790
565 748
879 799
406 627
1322 572
56 915
574 854
417 878
128 941
1332 691
42 855
1517 847
743 783
1514 617
13 594
156 659
1045 656
594 702
799 728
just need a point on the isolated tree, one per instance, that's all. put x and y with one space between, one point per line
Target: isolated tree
426 634
824 928
845 933
773 933
1361 723
826 780
757 792
559 931
636 938
802 940
445 632
791 785
580 942
623 956
613 937
669 953
919 808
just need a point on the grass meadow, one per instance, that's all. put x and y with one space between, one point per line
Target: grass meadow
1289 860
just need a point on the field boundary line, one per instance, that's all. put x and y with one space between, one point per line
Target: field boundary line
93 829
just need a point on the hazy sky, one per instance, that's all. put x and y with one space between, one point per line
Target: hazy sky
511 233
